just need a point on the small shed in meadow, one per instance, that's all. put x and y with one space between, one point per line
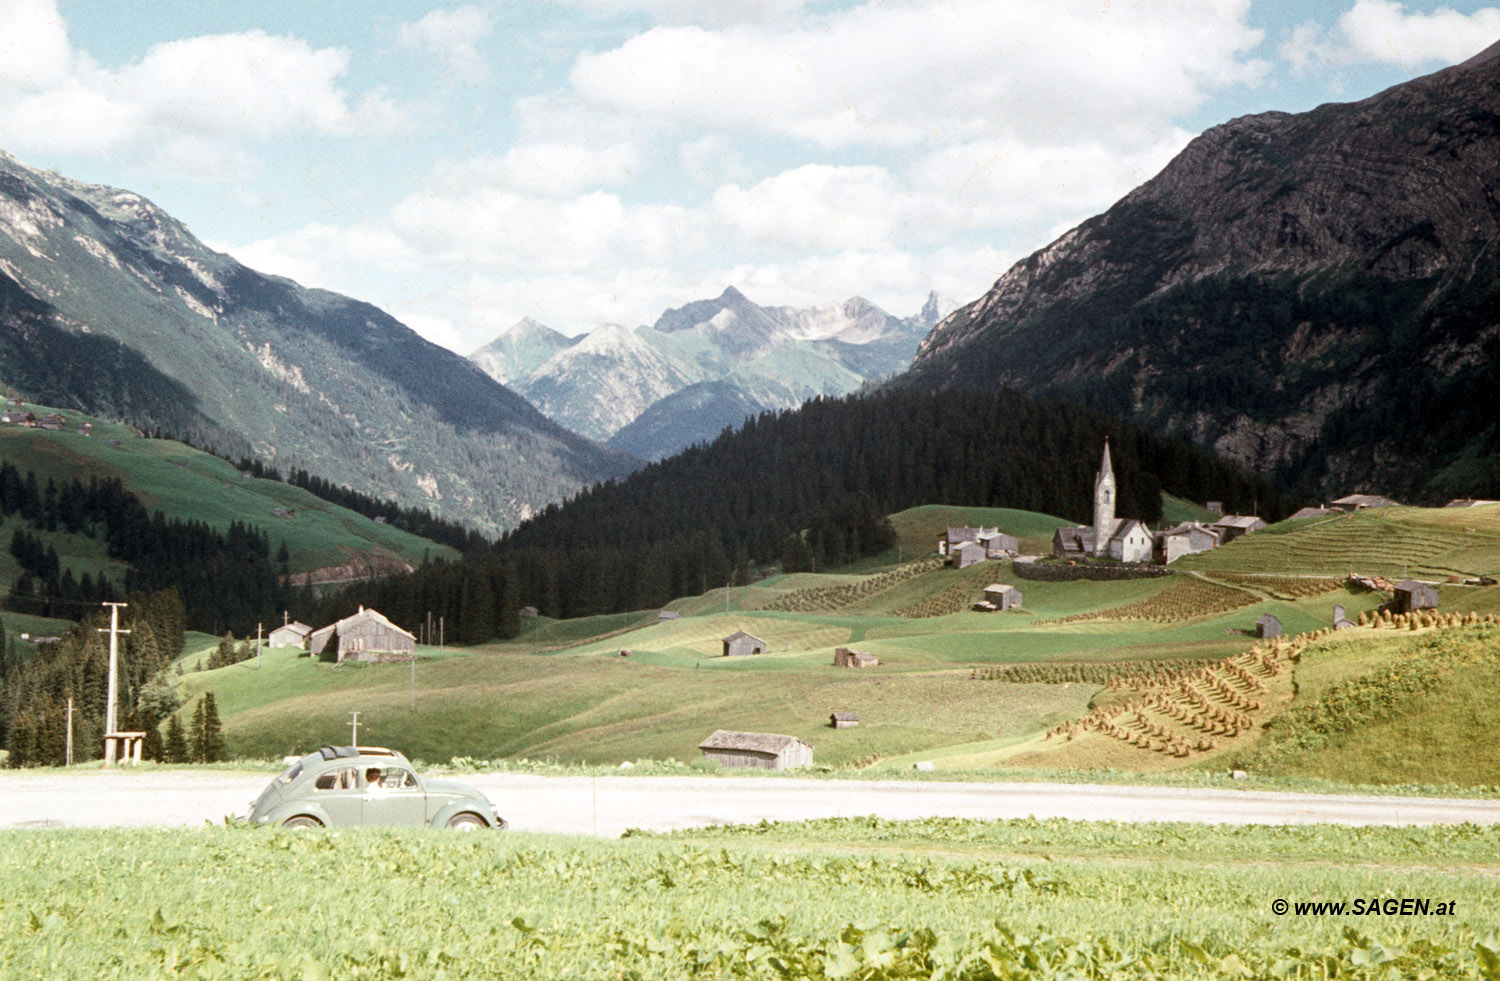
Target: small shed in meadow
1340 621
665 615
1413 594
1002 596
764 750
843 657
1267 627
741 644
292 634
1358 502
843 720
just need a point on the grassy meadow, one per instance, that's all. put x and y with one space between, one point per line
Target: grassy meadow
192 485
853 898
952 688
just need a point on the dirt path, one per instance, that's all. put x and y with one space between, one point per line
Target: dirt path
606 806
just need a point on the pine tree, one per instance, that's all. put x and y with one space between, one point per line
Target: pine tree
197 745
213 731
175 749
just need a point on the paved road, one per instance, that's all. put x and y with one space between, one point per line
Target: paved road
606 806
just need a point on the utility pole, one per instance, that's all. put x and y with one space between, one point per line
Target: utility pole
68 755
110 726
354 729
413 681
257 646
440 633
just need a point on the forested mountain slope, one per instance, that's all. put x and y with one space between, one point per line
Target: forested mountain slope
110 306
1311 295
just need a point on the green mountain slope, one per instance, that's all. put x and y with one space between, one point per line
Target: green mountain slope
108 305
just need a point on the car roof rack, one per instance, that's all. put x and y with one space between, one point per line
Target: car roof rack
349 752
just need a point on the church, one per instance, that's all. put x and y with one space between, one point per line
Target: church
1121 539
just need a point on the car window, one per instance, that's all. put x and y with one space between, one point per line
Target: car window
399 779
292 774
344 779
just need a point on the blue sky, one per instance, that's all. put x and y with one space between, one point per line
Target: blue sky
591 161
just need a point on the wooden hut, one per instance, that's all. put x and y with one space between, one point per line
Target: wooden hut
1267 627
1232 526
665 615
951 538
1187 538
843 657
365 636
1000 545
1413 594
741 644
843 720
1340 621
292 634
1002 596
764 750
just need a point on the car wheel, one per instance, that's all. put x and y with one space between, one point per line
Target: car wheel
465 822
301 821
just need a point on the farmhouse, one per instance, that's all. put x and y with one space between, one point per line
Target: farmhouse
1412 594
52 420
1267 627
999 596
953 537
365 636
292 634
765 750
1214 507
843 657
1188 538
1232 526
843 720
1358 502
741 644
1109 537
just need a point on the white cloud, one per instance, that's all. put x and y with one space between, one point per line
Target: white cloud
711 12
453 37
1382 31
187 106
922 71
548 169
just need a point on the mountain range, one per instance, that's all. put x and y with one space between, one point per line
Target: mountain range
701 367
1313 295
112 307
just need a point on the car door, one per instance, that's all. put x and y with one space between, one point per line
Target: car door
338 793
396 799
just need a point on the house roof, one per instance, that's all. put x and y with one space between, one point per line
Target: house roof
1365 501
1267 618
668 615
1127 527
1413 586
998 587
1239 521
300 629
1189 526
844 717
1311 512
758 742
967 534
364 614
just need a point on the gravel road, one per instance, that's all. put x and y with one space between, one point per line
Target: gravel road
606 806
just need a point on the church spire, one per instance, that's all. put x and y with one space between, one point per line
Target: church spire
1104 467
1105 522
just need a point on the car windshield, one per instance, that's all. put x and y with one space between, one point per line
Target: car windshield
291 774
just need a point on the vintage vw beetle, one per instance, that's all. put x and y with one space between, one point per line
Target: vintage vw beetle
347 786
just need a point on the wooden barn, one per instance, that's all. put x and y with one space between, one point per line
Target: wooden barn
741 644
292 634
951 538
1358 502
764 750
365 636
1000 545
1267 627
1413 594
665 615
967 554
843 657
1188 538
1232 526
1340 621
843 720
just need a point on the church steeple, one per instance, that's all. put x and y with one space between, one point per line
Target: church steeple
1104 504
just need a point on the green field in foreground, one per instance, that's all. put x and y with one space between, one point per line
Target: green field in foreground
833 899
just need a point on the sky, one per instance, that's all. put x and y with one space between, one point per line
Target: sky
580 162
